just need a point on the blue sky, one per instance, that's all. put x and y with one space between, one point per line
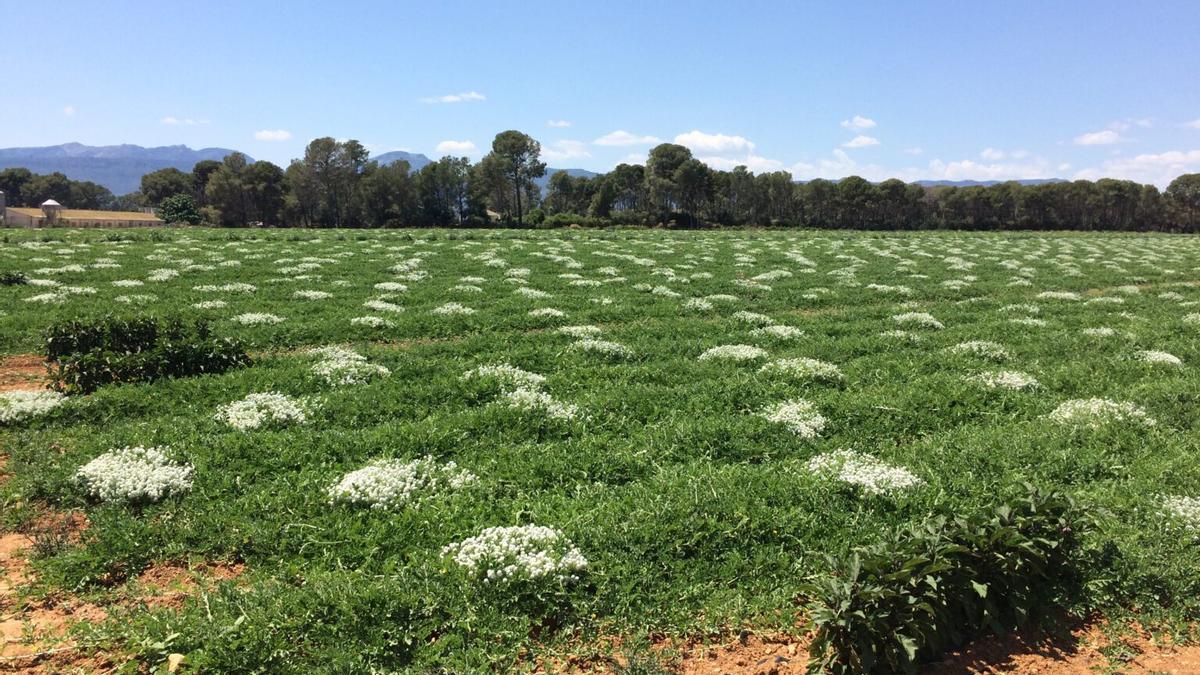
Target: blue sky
933 90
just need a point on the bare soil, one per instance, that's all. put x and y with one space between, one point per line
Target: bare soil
22 372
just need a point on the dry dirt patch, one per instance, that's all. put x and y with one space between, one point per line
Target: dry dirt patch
24 371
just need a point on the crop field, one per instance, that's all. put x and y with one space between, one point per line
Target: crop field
496 450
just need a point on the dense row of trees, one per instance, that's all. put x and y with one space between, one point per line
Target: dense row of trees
336 184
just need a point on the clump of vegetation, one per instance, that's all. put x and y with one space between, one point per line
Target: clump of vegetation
887 607
85 354
10 278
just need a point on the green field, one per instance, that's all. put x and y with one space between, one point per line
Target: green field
696 508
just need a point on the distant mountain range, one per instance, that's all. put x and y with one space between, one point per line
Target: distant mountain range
120 167
117 167
985 183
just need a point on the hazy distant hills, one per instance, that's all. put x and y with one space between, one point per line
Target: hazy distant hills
120 167
985 183
117 167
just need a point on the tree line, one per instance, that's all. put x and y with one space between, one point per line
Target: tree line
336 184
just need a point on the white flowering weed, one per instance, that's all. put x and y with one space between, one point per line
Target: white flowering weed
341 366
604 347
1004 379
872 475
734 353
1186 509
919 319
799 416
257 319
134 474
532 400
261 410
805 368
520 553
389 484
509 376
1094 413
18 406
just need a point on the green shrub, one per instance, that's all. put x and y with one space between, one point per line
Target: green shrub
13 279
890 606
85 354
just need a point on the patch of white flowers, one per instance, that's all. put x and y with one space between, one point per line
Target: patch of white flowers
452 309
134 474
920 319
804 368
257 319
532 400
1094 413
312 295
604 347
735 353
579 331
799 416
779 331
1159 358
872 475
520 553
341 366
263 409
509 376
388 484
981 348
18 406
1186 509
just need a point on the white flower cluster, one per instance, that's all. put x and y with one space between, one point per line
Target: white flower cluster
525 552
371 321
698 304
604 347
804 368
982 349
579 331
539 401
799 416
735 353
235 287
1094 413
134 474
210 304
872 475
547 311
257 319
754 318
1159 358
383 306
258 410
340 366
921 319
312 295
778 331
509 376
18 406
391 286
1058 295
1186 509
452 308
1004 379
395 483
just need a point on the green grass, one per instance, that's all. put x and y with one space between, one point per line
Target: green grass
695 514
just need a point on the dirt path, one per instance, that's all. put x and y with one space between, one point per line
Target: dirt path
23 371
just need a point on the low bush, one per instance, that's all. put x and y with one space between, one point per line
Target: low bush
8 278
888 607
85 354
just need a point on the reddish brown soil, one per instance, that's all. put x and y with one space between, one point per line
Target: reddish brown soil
171 585
25 371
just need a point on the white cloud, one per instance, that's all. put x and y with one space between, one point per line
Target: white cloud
181 121
1106 137
633 158
858 123
562 150
621 137
716 144
992 154
465 97
1019 154
967 169
1130 122
460 147
69 110
860 141
914 151
558 124
1158 169
273 135
1195 124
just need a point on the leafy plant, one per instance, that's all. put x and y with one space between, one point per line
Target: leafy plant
887 607
85 354
9 278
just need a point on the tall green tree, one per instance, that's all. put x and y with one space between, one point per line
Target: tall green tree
158 185
1183 196
515 158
